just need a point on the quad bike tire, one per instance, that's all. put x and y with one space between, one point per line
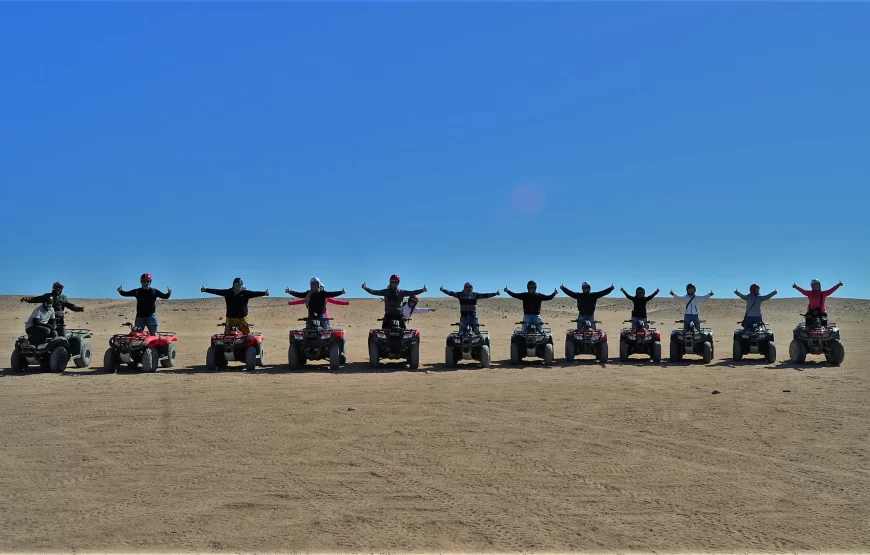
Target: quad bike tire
770 356
59 359
150 359
657 352
737 351
837 353
414 356
18 362
485 356
334 357
109 364
797 352
707 352
569 350
448 357
548 353
623 351
211 359
251 358
293 358
84 358
603 352
45 364
171 356
374 356
261 356
676 353
515 354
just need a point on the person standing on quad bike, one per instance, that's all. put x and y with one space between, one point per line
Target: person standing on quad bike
532 305
329 300
753 305
60 303
146 303
236 298
817 297
393 297
638 312
315 300
693 311
468 298
586 302
41 324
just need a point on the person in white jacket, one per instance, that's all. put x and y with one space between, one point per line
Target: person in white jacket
693 312
410 307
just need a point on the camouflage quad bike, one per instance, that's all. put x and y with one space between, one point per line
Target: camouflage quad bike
465 344
692 341
54 354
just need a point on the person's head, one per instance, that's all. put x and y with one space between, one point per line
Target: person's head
690 289
238 285
412 301
322 288
145 281
531 286
640 292
468 287
57 288
394 281
754 289
315 284
47 302
586 287
815 285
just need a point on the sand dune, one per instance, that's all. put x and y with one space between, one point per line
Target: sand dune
616 457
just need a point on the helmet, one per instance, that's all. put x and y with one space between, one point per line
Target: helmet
145 277
47 301
754 288
532 283
314 280
395 277
57 285
691 286
413 300
641 290
585 285
238 281
815 282
468 285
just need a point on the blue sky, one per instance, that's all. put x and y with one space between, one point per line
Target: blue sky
659 143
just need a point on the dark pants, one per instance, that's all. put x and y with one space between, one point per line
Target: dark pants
388 322
817 314
60 326
37 335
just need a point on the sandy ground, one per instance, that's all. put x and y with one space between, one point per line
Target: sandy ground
581 457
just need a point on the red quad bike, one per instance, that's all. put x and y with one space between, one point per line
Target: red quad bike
820 337
234 345
394 342
140 347
314 342
640 340
586 340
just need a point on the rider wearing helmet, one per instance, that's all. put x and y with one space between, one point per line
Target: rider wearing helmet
236 299
315 300
410 307
468 305
693 311
817 297
393 297
146 302
329 300
41 324
638 312
60 303
586 301
753 305
532 305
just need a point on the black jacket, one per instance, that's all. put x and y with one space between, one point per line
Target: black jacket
146 300
237 305
639 310
468 301
586 301
532 301
59 303
317 300
393 299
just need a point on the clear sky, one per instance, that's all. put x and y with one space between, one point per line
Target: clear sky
636 143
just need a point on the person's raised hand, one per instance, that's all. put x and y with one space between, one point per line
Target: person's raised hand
267 293
364 285
168 290
711 292
287 290
736 292
425 288
794 285
202 289
343 291
120 289
840 284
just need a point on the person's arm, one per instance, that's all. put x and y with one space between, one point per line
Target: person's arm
412 292
768 296
422 310
449 293
568 292
218 292
334 293
38 299
603 293
375 292
298 301
75 308
130 293
801 290
551 296
487 295
160 294
656 292
297 294
253 294
627 296
704 297
337 301
742 296
680 297
832 289
520 296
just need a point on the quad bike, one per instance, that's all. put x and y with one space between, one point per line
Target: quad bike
640 340
465 344
232 345
692 341
757 339
395 342
532 343
315 342
820 337
53 355
140 347
586 340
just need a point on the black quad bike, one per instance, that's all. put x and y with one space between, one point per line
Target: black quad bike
640 339
585 339
818 338
314 342
692 341
757 339
53 355
394 342
465 344
532 343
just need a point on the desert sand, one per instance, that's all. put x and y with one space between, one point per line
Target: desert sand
579 457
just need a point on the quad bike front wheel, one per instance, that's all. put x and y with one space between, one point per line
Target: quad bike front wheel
603 352
515 354
374 355
836 354
569 350
737 351
676 352
623 350
150 358
485 356
109 364
707 352
414 356
770 356
797 352
210 359
171 356
18 362
334 357
448 357
657 352
548 353
84 358
59 359
293 357
251 358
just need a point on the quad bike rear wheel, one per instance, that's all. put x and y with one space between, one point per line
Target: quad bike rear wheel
623 350
261 354
676 352
18 362
657 352
448 357
837 353
707 352
548 353
251 358
770 356
59 359
171 356
210 359
150 358
603 352
374 355
797 352
293 357
569 350
84 358
109 364
737 351
334 357
515 354
485 356
414 356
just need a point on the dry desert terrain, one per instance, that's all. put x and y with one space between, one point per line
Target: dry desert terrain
581 457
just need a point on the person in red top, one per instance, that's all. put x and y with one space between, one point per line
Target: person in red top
817 298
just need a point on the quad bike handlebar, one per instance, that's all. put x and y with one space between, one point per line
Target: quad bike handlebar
647 321
593 321
683 321
224 324
479 325
313 318
542 323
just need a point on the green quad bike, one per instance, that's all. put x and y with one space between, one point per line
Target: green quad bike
466 344
55 354
532 343
693 341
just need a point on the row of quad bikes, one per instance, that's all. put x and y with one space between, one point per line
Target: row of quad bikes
138 348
